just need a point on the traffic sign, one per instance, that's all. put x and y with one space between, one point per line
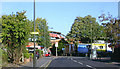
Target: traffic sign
63 48
56 44
34 32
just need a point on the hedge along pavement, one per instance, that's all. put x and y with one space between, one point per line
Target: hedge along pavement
0 58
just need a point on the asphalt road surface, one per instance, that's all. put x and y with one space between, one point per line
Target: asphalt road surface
79 63
63 62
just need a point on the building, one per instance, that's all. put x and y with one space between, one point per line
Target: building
55 37
30 47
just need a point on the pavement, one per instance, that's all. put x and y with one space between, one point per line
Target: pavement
42 62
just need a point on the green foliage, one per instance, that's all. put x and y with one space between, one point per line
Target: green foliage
61 45
111 27
0 57
76 47
26 55
0 24
43 37
31 54
15 33
85 28
39 51
4 56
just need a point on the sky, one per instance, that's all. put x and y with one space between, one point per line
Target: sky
60 15
60 0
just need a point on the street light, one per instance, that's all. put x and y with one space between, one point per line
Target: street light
91 39
34 58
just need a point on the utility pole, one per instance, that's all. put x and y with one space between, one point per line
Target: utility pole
34 58
44 38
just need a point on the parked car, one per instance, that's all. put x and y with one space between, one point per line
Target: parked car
47 55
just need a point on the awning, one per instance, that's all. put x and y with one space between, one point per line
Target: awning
55 35
28 45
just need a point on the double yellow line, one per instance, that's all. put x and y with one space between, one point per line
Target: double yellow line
48 64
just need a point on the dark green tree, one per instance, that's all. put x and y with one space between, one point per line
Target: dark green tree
61 44
111 27
84 29
0 25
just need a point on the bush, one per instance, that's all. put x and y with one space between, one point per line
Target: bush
39 51
26 55
4 56
116 54
31 54
104 54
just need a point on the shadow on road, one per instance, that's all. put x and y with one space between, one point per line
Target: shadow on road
108 61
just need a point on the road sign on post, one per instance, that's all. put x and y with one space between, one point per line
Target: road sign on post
63 48
56 45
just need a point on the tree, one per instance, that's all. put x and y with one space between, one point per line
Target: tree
61 44
111 27
43 37
84 29
0 27
0 31
15 34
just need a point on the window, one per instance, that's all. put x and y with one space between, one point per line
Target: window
101 47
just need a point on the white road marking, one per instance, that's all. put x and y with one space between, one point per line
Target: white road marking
89 66
80 63
74 60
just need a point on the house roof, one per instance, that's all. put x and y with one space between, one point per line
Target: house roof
55 35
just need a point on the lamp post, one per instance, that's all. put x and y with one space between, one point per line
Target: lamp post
56 45
106 39
34 58
91 39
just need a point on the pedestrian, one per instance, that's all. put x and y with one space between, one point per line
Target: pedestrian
30 58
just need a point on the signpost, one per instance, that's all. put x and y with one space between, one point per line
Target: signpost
63 51
56 45
63 48
34 32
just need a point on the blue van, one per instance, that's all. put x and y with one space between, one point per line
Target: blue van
82 48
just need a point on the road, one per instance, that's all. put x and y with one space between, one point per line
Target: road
63 62
79 62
